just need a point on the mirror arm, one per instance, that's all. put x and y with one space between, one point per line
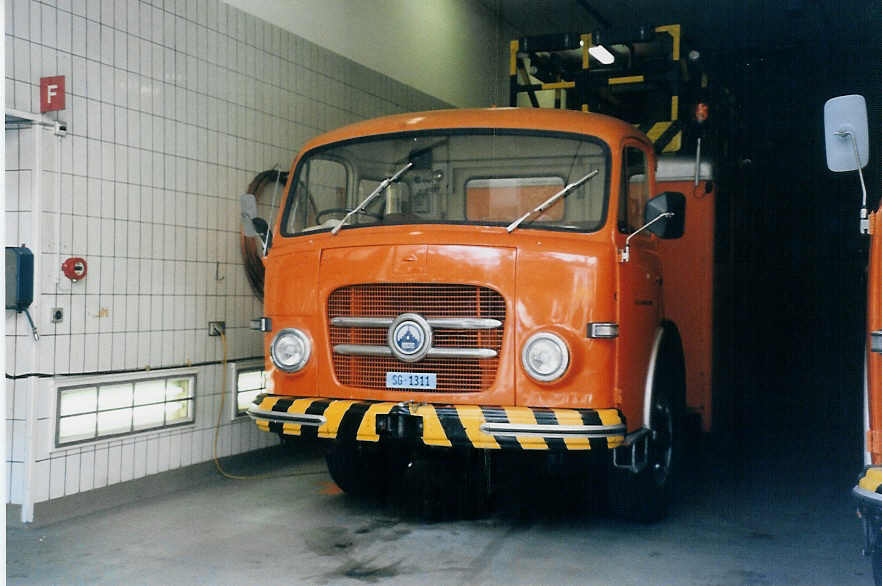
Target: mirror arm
626 253
864 219
266 241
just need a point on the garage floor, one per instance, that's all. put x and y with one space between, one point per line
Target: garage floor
754 522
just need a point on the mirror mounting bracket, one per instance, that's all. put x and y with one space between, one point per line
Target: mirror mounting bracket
864 227
625 253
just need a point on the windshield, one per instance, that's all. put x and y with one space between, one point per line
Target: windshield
459 177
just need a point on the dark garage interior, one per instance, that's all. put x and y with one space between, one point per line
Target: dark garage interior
763 499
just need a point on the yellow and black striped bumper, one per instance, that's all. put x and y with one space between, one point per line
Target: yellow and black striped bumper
515 428
869 487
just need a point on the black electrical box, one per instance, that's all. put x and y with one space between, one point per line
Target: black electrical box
19 277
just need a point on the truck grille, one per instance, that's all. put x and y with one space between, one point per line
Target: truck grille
432 301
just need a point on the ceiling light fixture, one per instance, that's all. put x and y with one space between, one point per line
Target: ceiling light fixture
602 54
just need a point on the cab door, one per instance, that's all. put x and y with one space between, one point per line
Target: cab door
639 283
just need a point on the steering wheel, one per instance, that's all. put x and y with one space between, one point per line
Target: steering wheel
319 217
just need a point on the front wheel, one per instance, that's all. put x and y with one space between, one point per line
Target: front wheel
358 470
876 560
646 495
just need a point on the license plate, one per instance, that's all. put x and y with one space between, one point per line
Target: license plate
411 380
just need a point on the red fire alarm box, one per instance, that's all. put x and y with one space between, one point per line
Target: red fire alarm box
74 268
51 93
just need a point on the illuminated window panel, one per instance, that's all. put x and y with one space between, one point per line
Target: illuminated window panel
78 401
119 408
249 384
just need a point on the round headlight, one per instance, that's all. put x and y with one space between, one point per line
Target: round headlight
290 349
545 356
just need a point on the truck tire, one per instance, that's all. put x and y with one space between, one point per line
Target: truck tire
876 560
358 470
443 486
646 495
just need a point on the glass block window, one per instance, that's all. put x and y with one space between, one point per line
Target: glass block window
249 384
117 408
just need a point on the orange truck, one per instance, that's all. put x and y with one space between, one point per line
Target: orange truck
846 137
475 282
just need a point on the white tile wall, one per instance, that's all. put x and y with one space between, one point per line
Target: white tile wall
172 108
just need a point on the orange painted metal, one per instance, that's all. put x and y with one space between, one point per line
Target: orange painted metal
639 309
688 289
547 280
874 322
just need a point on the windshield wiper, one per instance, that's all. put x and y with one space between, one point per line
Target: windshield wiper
551 200
380 189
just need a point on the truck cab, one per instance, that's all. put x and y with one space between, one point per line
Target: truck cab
486 280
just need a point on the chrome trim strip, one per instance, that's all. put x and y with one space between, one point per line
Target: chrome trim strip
464 323
864 494
461 353
369 350
283 417
562 431
444 323
362 322
362 350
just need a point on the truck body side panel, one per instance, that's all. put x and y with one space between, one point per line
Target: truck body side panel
688 266
874 359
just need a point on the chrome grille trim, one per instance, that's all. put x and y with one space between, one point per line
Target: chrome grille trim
444 323
464 323
461 353
369 350
362 350
468 324
362 322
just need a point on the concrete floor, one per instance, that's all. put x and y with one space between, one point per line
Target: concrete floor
749 520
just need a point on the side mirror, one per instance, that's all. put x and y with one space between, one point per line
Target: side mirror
248 205
845 133
848 142
252 225
669 226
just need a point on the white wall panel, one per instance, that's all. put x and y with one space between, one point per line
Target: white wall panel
172 108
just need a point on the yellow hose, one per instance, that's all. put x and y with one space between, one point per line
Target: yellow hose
220 415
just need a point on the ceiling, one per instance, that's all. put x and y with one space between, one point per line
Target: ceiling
719 25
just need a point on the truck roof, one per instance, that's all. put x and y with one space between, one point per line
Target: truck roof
612 130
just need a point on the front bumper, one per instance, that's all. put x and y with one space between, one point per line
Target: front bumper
868 493
514 428
868 490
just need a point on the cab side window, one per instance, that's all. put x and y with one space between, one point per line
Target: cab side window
634 190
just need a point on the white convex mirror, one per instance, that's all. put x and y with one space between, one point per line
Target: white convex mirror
249 212
845 133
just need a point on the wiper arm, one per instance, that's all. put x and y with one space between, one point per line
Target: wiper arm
376 192
551 200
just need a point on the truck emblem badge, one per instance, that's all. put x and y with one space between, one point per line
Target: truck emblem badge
410 337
